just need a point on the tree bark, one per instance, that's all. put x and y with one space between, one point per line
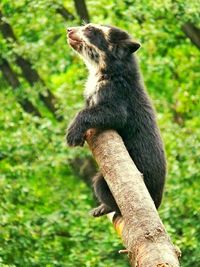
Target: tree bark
140 227
81 10
29 73
12 79
192 32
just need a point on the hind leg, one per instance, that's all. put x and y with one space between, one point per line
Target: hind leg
105 197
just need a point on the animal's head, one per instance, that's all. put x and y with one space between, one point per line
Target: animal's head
98 44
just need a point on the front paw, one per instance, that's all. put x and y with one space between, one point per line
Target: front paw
75 137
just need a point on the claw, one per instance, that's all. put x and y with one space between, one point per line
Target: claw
100 211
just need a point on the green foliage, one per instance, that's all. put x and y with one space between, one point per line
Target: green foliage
43 207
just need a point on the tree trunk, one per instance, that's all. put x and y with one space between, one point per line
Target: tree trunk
64 13
193 33
9 74
82 11
33 77
11 77
29 73
6 29
142 231
84 167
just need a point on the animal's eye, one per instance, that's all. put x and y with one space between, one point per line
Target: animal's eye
89 28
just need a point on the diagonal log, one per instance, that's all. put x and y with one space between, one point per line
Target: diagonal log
140 227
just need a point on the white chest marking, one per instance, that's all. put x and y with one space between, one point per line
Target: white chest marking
90 86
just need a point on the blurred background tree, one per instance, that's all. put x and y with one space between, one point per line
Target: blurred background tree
44 192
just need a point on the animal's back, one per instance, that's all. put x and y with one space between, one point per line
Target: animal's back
143 141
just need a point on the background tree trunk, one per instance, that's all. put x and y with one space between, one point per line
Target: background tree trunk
82 11
33 77
29 73
193 33
142 231
9 74
12 79
64 13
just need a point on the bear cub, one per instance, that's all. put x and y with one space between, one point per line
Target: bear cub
116 99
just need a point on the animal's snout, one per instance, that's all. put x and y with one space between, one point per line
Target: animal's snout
73 34
69 30
72 30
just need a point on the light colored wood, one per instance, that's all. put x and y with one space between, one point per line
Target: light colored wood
140 227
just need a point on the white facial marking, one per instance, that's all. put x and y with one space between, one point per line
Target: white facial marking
91 86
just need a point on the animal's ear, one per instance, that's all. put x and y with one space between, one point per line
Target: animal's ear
132 46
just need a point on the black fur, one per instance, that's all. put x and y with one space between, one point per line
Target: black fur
119 102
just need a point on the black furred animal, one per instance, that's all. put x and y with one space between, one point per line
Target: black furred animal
116 99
